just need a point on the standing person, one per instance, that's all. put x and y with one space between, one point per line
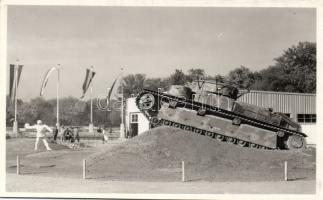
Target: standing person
41 129
55 133
76 134
61 132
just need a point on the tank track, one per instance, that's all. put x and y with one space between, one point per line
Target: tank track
193 105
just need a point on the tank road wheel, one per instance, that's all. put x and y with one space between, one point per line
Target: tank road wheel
201 112
176 125
198 131
231 140
167 123
220 137
210 134
280 134
188 128
146 101
254 146
236 121
295 142
154 120
242 143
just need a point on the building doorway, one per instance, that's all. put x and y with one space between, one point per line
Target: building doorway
133 125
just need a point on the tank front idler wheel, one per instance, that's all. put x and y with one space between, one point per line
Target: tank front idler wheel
147 101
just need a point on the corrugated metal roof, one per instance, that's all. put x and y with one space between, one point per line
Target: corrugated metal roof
297 103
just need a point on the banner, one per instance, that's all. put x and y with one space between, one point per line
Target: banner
110 91
14 78
88 79
45 80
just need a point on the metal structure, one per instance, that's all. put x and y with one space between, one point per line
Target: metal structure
211 109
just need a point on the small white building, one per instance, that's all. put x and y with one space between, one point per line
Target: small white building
135 122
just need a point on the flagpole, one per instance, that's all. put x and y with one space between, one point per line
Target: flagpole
122 131
15 123
57 98
91 100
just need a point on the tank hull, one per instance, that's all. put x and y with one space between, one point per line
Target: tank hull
216 122
222 126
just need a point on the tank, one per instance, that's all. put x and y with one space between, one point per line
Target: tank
211 109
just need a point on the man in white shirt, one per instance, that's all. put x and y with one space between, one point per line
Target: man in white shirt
41 129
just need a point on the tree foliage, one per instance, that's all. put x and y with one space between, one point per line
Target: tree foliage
294 71
241 77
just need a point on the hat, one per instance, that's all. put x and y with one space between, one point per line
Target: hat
39 121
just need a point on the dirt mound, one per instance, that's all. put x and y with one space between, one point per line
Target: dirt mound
157 154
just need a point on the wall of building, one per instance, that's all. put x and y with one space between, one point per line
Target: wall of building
295 104
132 109
310 131
291 103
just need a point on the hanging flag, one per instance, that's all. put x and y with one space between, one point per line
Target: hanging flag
88 79
110 91
45 80
14 80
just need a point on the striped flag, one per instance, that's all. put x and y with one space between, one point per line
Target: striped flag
110 91
88 79
15 73
45 80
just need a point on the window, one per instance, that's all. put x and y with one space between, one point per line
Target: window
134 118
306 118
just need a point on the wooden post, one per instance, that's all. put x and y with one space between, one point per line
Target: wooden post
84 169
183 171
286 174
18 165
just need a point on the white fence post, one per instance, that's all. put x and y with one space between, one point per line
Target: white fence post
183 171
18 165
286 174
84 169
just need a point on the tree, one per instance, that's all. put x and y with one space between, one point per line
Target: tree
178 78
298 63
155 83
195 74
241 77
294 71
133 84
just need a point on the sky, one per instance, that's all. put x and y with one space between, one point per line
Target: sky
150 40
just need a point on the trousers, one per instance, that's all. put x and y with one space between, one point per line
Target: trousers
44 141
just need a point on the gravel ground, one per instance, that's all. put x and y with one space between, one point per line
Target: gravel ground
157 154
150 163
22 183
